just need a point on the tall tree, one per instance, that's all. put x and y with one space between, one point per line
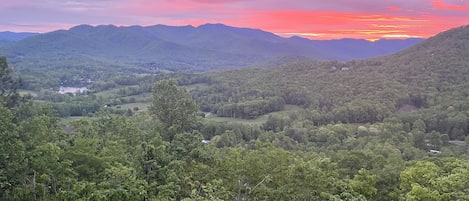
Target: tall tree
8 85
11 153
174 107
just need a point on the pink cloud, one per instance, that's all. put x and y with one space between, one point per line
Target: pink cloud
330 19
394 8
442 5
218 1
328 24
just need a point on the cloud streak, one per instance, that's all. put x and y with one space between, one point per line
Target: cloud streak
369 19
457 6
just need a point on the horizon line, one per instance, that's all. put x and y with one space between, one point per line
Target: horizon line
304 35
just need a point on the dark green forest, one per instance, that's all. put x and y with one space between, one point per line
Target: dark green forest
389 128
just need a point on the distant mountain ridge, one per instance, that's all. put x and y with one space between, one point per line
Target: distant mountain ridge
9 37
15 36
205 46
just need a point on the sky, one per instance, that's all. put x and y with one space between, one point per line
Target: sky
314 19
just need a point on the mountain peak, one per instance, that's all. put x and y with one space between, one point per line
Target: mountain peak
214 25
168 26
81 27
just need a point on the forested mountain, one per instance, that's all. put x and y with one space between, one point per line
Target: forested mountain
430 79
15 36
198 47
85 51
9 37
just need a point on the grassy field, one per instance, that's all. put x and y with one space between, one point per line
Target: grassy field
143 101
196 86
142 107
23 92
142 98
109 94
258 121
68 120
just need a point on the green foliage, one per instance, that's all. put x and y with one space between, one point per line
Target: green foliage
364 183
11 153
440 180
173 107
8 85
125 158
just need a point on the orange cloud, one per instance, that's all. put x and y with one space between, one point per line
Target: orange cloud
399 36
441 5
306 23
330 25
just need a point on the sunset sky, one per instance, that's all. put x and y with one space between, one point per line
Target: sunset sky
315 19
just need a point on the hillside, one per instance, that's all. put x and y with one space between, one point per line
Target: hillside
429 79
86 50
15 36
9 37
229 45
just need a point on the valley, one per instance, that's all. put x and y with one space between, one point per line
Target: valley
215 112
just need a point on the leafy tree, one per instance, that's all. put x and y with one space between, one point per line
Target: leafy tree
364 183
52 170
11 152
445 179
419 125
273 123
8 85
173 107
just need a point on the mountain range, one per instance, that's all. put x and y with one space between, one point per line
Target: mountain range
428 81
8 36
15 36
181 48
